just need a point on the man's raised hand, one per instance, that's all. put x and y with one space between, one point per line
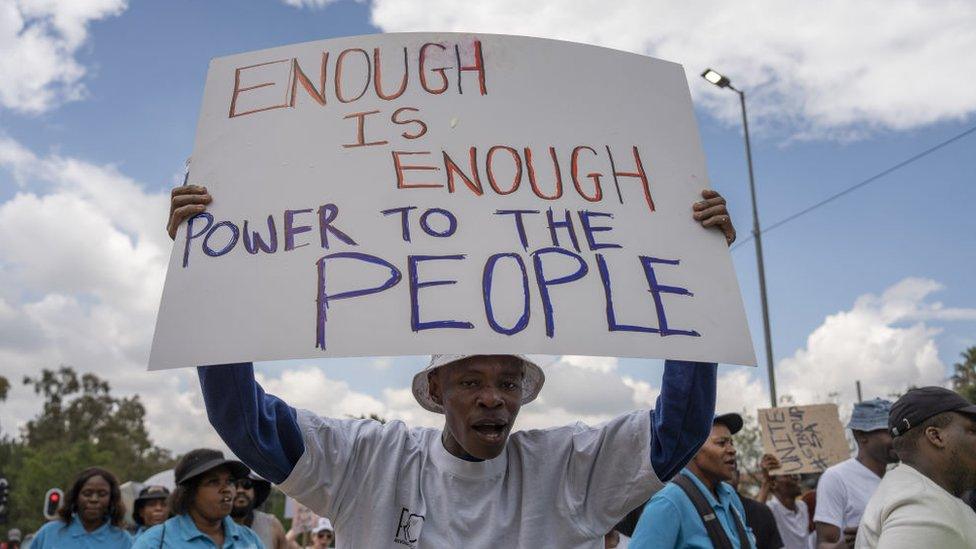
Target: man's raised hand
711 212
186 202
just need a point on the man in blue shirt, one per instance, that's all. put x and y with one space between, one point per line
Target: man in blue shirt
671 519
201 503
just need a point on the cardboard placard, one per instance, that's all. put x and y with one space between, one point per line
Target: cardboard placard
407 194
805 439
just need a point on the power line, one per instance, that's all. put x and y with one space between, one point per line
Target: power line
860 184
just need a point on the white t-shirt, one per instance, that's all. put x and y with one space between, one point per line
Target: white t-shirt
909 510
843 493
388 486
793 526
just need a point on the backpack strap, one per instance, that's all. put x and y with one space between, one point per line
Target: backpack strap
740 530
712 525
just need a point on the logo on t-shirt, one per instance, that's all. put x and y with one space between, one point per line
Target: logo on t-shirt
408 528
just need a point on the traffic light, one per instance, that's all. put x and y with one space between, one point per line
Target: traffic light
52 502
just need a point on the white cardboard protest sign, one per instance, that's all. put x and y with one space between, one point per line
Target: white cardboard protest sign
805 439
407 194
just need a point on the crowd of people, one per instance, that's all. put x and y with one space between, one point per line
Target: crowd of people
668 476
910 485
214 505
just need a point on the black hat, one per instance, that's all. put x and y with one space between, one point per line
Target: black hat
147 494
199 461
733 421
919 404
262 489
153 491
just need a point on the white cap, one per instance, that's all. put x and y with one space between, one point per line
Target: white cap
532 381
323 524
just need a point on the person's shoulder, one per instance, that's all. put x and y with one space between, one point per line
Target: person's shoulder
312 423
904 488
46 531
834 475
630 418
839 469
150 537
242 531
670 494
120 534
756 506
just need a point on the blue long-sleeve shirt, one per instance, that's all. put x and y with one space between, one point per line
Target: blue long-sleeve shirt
263 431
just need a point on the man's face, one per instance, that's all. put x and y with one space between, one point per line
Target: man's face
788 486
716 459
481 397
960 437
215 494
154 512
878 445
244 497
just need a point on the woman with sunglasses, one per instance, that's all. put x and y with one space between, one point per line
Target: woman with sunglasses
320 536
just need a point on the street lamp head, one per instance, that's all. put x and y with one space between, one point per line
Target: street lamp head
716 78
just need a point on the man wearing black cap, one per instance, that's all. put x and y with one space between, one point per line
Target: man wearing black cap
201 504
917 504
252 492
698 508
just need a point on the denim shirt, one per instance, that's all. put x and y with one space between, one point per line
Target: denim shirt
57 534
671 520
181 532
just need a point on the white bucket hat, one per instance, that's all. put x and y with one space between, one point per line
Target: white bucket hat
532 381
323 524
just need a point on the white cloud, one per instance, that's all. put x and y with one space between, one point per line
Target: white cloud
883 341
82 258
39 40
814 69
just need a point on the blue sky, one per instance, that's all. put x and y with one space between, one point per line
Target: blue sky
823 121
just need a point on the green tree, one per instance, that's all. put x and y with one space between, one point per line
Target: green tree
4 388
964 374
749 450
81 424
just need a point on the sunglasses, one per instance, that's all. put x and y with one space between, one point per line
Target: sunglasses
323 533
244 483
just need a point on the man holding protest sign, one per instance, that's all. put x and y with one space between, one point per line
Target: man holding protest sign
470 484
791 513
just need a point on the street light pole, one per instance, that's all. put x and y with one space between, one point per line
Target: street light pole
757 237
723 82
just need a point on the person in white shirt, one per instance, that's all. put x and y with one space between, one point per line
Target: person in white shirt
844 489
918 503
790 513
473 483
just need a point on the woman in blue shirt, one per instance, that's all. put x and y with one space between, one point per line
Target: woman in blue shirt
201 505
92 515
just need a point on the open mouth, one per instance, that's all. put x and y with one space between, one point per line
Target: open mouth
490 430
